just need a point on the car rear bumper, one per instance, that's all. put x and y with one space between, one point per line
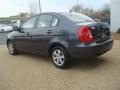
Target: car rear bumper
90 50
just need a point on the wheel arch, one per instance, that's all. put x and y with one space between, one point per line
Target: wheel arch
56 44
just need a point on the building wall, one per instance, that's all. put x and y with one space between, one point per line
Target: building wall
115 15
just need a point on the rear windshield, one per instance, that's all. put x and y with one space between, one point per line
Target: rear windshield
77 17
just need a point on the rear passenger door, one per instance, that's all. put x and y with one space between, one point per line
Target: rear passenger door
45 30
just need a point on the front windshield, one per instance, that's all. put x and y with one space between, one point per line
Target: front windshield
77 17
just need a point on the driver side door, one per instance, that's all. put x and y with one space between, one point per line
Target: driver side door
23 39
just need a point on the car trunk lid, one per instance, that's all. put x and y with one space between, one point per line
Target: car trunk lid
100 31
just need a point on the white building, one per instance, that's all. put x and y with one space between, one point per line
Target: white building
115 15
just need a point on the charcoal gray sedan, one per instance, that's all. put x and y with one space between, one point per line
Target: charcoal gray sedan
61 36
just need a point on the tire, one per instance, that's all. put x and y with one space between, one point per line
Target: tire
60 57
11 48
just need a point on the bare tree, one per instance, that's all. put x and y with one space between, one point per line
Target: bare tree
76 8
80 9
23 15
33 8
105 11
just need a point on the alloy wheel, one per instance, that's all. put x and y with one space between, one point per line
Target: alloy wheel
58 57
11 48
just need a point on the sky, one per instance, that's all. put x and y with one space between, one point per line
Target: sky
13 7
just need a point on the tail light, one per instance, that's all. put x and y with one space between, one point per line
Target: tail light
84 34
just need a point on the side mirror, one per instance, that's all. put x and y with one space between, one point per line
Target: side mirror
15 28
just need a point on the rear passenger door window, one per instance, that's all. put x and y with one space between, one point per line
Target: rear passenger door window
44 21
54 22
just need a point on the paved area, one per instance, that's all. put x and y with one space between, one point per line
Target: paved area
31 72
3 37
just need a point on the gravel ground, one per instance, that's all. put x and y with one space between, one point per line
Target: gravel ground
3 37
116 36
31 72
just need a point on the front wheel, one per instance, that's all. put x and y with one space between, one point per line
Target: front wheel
60 57
11 48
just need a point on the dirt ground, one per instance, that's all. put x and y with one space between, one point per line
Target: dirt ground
31 72
116 36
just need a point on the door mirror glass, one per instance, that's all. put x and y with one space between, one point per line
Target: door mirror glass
15 28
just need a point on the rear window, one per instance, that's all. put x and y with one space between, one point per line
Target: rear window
77 17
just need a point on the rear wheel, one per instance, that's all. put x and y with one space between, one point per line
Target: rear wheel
60 57
11 48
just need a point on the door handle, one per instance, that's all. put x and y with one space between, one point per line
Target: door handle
49 31
27 33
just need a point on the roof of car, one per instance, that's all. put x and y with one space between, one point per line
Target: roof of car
53 12
60 13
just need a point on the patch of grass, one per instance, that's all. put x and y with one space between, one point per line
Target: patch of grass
116 36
